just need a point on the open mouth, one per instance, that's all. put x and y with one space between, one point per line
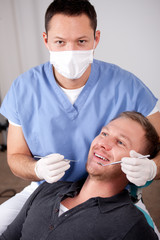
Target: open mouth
101 157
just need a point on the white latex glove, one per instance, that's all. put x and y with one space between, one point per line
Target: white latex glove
51 168
138 171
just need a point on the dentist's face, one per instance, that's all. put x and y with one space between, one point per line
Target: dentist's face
114 142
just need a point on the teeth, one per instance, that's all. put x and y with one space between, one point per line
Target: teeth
101 157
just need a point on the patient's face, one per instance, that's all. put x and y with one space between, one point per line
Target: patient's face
114 142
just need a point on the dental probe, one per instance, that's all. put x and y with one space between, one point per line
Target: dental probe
67 160
112 163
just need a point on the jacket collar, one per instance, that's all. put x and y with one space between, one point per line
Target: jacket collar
105 204
117 201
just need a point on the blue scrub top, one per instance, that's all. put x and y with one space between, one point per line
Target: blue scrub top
51 124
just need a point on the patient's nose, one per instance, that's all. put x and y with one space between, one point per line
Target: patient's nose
107 144
107 147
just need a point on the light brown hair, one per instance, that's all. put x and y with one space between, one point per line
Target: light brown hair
152 145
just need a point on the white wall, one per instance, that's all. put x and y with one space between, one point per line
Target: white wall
21 42
130 37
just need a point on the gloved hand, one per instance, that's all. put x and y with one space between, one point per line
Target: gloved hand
138 171
51 168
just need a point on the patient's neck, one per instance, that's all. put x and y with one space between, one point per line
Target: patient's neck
95 188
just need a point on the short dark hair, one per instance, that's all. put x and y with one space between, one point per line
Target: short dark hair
152 138
71 8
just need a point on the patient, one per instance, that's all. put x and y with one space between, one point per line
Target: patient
98 207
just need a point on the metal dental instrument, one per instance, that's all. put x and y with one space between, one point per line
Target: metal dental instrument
67 160
112 163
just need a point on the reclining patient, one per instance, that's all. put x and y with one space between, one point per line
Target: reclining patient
98 207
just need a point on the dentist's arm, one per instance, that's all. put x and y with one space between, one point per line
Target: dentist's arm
155 120
23 165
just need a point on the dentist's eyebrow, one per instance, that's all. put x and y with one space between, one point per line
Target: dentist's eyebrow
57 37
80 37
84 36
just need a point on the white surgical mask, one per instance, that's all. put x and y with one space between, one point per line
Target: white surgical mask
71 64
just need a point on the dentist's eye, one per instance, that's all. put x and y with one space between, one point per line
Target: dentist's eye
60 42
82 41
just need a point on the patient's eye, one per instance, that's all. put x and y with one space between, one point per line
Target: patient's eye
105 134
120 142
